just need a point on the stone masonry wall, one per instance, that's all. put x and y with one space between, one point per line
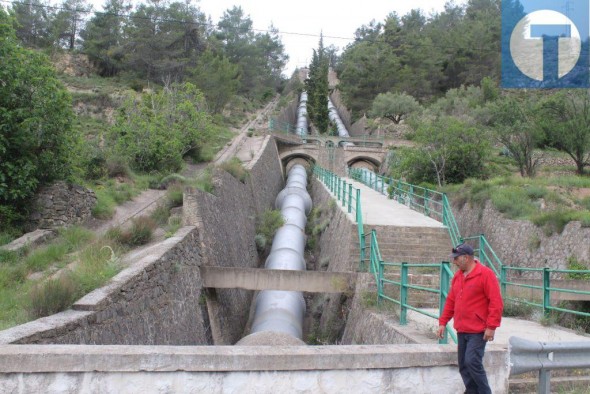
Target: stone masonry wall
520 242
156 301
159 299
227 223
337 244
62 204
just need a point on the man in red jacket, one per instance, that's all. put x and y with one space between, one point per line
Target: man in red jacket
475 304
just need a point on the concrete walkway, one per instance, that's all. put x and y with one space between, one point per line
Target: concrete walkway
378 210
510 327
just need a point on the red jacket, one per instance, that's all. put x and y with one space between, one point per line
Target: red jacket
474 301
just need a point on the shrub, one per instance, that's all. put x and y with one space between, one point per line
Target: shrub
554 221
44 257
171 180
140 232
98 263
175 195
204 181
517 309
513 201
161 214
235 167
574 264
117 167
269 222
174 223
260 241
105 205
52 296
535 192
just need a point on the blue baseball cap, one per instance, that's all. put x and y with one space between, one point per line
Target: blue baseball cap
462 250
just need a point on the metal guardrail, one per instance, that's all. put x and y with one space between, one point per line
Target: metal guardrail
350 197
426 201
445 275
527 356
436 205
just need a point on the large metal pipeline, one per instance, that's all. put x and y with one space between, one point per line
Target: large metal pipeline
335 118
301 128
282 311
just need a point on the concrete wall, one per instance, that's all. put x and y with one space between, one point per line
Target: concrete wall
227 226
520 242
268 369
153 302
158 299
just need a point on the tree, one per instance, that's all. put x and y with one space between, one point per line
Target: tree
455 150
217 78
158 47
566 122
103 37
32 23
514 126
158 130
68 22
394 106
317 89
36 134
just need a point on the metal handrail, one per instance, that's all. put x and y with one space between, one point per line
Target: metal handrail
350 197
442 291
429 202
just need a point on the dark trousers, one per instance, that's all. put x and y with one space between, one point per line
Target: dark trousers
471 349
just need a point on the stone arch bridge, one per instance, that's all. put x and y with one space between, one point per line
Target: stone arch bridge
327 153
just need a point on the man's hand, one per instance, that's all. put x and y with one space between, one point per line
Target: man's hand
440 332
488 335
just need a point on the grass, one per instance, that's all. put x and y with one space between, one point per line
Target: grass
23 299
112 193
204 181
549 202
267 225
235 167
139 233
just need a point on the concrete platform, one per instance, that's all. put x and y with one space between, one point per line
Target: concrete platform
378 210
510 327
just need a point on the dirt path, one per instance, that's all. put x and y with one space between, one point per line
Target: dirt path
241 145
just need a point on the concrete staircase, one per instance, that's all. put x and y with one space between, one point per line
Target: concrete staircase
413 244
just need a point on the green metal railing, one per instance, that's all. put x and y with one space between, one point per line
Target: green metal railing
404 287
350 197
426 201
436 205
546 289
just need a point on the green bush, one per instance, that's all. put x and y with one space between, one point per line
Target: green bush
513 202
52 296
267 225
235 167
574 264
204 181
554 221
154 133
161 214
117 167
535 192
37 143
140 232
105 205
174 195
171 180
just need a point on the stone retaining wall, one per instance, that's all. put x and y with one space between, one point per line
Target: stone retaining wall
520 242
227 223
60 205
156 301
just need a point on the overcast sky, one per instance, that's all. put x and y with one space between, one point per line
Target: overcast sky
310 17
